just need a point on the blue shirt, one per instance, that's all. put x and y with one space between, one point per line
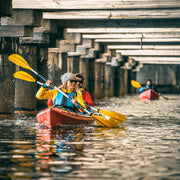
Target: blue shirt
142 89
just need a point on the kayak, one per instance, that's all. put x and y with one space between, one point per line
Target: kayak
52 117
149 95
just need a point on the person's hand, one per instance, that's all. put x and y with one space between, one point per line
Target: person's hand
145 88
48 82
74 100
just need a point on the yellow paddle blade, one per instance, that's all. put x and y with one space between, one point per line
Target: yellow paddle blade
24 76
19 60
104 121
114 116
99 123
135 84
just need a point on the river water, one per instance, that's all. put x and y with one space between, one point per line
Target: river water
145 147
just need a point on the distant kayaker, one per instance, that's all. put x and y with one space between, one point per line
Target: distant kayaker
148 85
59 100
86 95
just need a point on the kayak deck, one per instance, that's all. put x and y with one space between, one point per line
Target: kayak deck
149 95
52 117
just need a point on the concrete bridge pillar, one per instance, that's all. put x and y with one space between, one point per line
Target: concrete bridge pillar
125 76
7 85
133 77
109 80
73 62
7 69
123 81
99 90
116 80
91 87
57 65
84 70
25 99
177 77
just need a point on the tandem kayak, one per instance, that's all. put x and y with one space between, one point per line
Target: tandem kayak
52 117
149 95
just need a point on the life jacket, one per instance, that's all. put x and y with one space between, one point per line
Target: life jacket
50 102
61 100
147 88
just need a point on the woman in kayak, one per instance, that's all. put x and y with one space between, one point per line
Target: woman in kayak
59 100
148 85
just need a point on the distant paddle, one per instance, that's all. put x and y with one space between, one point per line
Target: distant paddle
108 117
138 85
135 84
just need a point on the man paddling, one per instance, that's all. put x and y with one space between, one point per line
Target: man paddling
86 95
148 86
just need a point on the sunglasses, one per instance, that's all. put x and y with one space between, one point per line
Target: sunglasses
72 80
81 82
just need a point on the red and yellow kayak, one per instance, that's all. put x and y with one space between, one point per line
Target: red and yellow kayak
149 95
52 117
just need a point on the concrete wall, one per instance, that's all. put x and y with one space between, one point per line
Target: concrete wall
165 77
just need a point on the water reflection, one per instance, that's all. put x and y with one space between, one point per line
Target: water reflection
43 153
55 147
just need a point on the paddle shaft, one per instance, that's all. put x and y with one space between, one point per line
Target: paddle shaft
44 79
97 110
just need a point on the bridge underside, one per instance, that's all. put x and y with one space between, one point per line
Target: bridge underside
109 42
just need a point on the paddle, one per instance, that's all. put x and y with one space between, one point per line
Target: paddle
105 121
119 118
25 76
138 85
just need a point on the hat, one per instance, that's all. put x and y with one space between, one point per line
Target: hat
67 76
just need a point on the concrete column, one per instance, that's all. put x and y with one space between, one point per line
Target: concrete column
125 81
73 63
177 77
7 69
99 92
109 81
122 81
115 63
25 99
116 80
85 71
133 77
42 68
129 77
7 85
63 62
91 86
57 65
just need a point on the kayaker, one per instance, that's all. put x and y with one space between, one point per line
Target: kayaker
148 85
86 95
59 100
